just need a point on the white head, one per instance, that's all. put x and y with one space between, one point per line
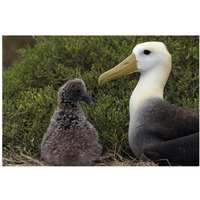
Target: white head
151 55
153 61
148 56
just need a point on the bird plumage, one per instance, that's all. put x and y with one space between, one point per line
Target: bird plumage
157 121
157 128
71 139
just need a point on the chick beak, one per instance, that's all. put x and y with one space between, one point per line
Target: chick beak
87 99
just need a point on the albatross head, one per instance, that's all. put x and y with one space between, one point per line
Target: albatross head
73 91
152 56
153 61
146 57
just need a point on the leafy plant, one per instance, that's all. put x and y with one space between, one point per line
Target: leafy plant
30 86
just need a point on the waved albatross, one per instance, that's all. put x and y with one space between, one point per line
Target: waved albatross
71 139
157 129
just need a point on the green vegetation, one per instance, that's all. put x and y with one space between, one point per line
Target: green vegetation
30 87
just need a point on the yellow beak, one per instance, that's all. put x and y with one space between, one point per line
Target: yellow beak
125 67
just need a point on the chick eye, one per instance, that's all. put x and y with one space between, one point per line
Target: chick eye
147 52
78 91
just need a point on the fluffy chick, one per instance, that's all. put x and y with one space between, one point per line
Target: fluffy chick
71 139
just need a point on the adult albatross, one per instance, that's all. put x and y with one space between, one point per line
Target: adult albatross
157 129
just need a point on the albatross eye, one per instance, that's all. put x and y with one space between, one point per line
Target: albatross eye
78 91
147 52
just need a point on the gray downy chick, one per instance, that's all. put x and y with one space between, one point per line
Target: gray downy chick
71 139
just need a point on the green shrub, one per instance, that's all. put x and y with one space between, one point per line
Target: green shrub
30 86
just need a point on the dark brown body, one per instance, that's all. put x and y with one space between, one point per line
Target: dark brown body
165 132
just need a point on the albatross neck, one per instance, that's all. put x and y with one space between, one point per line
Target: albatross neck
151 84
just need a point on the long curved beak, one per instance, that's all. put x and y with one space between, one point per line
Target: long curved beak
127 66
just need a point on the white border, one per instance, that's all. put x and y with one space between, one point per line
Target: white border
99 18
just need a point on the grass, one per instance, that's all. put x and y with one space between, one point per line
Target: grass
30 88
24 160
